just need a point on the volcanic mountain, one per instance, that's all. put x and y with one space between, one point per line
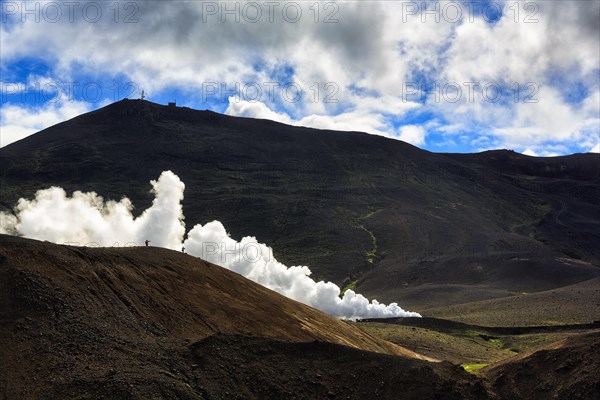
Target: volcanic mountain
144 322
396 222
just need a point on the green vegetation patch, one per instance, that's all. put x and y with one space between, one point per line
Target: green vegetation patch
371 255
349 286
471 368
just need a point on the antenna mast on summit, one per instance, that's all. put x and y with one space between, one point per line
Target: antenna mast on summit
143 96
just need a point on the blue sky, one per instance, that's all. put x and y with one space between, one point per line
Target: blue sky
444 76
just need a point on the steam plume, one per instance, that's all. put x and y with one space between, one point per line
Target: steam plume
86 219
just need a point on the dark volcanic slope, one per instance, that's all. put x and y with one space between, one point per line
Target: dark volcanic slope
323 371
426 229
568 369
573 304
147 323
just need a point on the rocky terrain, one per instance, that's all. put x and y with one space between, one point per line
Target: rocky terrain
149 323
567 369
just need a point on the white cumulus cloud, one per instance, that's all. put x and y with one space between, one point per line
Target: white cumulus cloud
413 134
368 51
19 121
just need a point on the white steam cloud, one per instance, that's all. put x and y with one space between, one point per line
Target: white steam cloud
86 219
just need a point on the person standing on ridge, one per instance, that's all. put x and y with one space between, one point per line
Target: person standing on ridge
146 241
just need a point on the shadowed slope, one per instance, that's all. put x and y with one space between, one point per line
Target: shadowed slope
568 369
